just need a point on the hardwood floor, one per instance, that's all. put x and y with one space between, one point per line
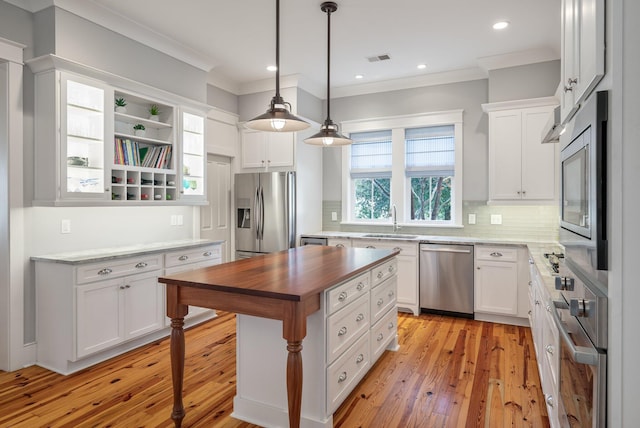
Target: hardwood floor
449 372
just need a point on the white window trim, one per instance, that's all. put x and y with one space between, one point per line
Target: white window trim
397 124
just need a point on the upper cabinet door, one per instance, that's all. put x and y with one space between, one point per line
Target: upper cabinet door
193 155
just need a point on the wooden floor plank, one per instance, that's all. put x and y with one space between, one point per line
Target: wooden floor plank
449 372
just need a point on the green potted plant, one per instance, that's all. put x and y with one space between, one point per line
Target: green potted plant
154 112
121 104
139 130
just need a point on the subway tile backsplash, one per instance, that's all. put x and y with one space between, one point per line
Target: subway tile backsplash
530 223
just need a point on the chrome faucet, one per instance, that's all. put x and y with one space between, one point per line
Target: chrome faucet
394 218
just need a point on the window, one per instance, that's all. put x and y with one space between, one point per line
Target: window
371 162
430 169
412 163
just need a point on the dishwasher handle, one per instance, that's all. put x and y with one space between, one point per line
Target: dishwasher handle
444 250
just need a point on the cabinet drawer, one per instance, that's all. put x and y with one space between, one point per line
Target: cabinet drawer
117 268
339 242
345 373
383 333
405 248
345 326
382 298
192 255
381 272
343 294
502 254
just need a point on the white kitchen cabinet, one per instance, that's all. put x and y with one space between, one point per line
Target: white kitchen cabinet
73 131
582 52
267 149
222 133
95 306
520 167
339 242
88 154
546 342
112 311
188 260
357 321
408 297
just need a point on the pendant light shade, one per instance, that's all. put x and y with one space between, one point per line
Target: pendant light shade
329 134
279 117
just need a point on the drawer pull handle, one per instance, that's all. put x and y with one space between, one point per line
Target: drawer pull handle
360 317
530 283
549 349
496 254
548 308
391 325
397 249
380 301
141 265
339 245
549 400
342 331
207 253
360 359
529 312
391 269
391 293
122 287
371 246
342 297
105 271
537 302
380 337
380 274
343 377
360 286
183 258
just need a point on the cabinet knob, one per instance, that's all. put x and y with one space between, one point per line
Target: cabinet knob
342 331
397 249
391 268
207 253
360 317
342 377
391 325
360 358
496 253
105 271
183 258
339 245
342 297
380 275
360 286
548 398
380 337
478 267
391 293
549 349
380 302
141 265
371 246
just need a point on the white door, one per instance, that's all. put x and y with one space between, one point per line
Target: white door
215 218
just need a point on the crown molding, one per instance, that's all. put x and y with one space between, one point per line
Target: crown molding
531 102
515 59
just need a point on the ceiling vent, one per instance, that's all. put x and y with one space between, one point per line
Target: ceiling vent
377 58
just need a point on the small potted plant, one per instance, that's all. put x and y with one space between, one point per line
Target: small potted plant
121 104
154 112
138 130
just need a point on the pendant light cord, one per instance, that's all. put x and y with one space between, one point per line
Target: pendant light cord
328 65
278 49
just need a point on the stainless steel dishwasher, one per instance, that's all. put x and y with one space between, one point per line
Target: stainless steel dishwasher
446 279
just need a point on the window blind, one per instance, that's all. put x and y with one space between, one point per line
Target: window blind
371 154
430 151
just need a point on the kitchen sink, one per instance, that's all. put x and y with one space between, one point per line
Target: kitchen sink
389 235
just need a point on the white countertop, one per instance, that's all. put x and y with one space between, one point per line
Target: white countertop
102 254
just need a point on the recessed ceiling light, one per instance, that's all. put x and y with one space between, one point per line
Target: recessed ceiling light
359 76
500 25
422 66
272 68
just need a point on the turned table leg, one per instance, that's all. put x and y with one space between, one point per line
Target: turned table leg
294 382
177 368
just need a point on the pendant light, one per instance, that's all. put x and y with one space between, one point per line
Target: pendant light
328 135
278 118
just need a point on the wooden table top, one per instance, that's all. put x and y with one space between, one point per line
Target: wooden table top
294 274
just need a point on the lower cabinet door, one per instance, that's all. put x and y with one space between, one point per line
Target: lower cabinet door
100 316
143 304
496 288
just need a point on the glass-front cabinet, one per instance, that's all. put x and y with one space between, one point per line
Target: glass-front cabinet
83 155
193 155
97 143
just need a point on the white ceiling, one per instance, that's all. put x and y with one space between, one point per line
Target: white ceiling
236 38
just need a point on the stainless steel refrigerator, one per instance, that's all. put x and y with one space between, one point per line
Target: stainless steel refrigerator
265 212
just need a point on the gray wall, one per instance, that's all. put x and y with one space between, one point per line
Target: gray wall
222 99
310 106
17 25
87 43
525 81
464 95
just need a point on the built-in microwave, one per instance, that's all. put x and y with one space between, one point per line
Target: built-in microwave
584 186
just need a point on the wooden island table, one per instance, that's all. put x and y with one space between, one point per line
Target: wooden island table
286 286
